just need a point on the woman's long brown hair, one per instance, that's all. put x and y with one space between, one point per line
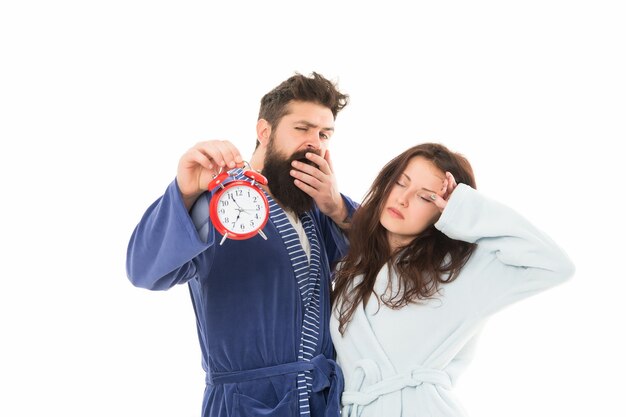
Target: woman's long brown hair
430 260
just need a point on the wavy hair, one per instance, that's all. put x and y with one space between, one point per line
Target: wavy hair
428 261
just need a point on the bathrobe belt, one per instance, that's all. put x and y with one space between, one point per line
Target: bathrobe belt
324 372
394 384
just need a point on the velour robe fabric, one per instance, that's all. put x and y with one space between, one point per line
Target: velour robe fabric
247 303
405 362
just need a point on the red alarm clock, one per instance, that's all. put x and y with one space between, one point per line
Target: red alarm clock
239 209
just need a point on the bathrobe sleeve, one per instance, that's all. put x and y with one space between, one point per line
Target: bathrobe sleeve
165 242
513 259
335 240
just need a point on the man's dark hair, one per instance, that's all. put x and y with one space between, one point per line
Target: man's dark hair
315 89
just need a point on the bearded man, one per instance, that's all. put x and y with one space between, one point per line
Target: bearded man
262 306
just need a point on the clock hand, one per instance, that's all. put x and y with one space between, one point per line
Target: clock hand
238 215
247 209
239 208
235 201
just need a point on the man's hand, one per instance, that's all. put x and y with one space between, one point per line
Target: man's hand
321 185
200 164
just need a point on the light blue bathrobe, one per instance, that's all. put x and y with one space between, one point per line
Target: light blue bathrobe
405 362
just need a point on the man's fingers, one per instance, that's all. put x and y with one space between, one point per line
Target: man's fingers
230 154
308 169
322 163
305 178
328 160
200 158
306 188
222 152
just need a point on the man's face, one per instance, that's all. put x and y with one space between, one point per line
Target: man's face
306 128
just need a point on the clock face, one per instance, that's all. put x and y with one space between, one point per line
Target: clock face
242 209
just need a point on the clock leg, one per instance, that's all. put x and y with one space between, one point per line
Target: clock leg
262 234
224 238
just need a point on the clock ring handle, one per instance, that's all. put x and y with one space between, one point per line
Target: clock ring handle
254 175
218 180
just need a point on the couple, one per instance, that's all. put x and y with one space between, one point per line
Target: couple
418 267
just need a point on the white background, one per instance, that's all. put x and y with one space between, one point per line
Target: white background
98 100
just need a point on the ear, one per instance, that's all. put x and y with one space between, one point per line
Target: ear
263 131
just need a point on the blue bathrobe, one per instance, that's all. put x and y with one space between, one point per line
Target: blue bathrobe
262 308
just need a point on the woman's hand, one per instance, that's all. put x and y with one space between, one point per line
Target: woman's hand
440 199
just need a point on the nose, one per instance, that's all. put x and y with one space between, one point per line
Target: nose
313 141
403 199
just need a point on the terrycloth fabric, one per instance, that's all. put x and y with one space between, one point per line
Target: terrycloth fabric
250 307
404 362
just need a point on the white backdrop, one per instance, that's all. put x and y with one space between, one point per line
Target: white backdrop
98 100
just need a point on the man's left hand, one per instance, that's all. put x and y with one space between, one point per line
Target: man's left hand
320 183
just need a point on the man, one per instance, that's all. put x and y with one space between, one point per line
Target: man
262 306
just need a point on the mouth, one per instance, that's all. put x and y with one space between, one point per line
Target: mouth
307 161
300 157
395 213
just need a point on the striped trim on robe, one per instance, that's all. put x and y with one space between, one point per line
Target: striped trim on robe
308 278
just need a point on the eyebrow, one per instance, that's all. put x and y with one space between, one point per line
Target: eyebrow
423 188
309 124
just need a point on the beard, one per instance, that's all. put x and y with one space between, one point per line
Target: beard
276 169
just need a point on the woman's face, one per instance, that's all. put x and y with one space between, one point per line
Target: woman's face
408 211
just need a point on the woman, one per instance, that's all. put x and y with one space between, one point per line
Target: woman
430 259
